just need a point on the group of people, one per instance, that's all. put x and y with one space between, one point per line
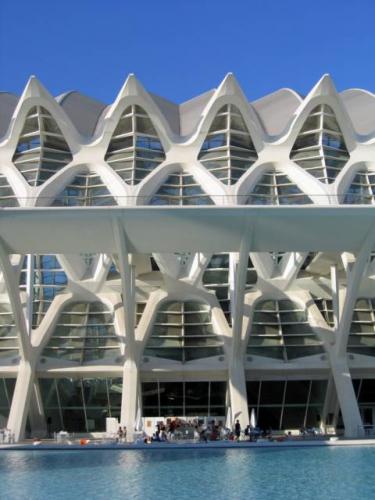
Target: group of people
6 436
196 430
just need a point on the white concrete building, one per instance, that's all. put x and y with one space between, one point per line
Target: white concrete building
201 259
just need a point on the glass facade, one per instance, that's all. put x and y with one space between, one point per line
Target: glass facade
8 334
42 149
180 189
80 404
362 330
320 147
275 188
286 404
135 148
183 331
280 329
362 189
228 150
188 399
85 190
84 333
6 393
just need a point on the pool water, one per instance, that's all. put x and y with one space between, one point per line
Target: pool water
305 473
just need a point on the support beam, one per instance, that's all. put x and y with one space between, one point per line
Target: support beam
130 382
347 398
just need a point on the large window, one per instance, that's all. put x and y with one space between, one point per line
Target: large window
320 148
49 279
275 188
162 399
228 150
183 332
362 189
280 329
288 404
180 189
6 394
80 405
42 149
84 333
135 148
362 330
85 190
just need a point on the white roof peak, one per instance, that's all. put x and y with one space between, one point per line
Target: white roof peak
131 87
323 87
34 88
230 86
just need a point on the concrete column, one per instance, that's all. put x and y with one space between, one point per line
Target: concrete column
236 372
330 405
129 401
37 417
21 400
238 394
347 398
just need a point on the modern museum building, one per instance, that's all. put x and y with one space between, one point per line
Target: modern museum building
214 258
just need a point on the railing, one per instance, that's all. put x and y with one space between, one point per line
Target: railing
193 200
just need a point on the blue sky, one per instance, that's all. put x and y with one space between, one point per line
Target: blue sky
179 49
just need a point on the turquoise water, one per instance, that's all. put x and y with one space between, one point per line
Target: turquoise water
304 473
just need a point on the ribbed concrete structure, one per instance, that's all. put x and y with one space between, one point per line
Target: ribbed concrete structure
194 260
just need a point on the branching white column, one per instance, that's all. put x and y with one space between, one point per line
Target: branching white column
337 355
26 370
237 380
130 382
37 417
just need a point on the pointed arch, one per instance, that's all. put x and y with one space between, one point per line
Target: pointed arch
41 149
135 148
228 150
320 147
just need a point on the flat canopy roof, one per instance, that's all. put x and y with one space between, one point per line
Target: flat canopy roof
185 229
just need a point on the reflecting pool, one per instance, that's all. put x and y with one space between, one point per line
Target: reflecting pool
304 473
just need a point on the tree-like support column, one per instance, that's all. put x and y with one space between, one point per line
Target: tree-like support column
347 399
236 372
130 381
37 417
129 400
21 400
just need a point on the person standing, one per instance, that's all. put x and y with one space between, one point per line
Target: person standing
237 430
